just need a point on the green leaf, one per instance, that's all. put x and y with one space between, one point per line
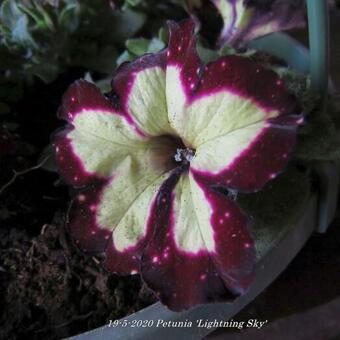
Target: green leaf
226 49
69 18
133 3
155 45
125 57
46 71
137 46
127 24
21 34
104 61
16 23
140 46
206 54
319 139
163 35
277 208
10 13
103 84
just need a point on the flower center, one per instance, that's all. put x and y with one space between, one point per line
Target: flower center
184 155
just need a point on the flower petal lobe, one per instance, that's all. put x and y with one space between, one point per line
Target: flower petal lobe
199 254
140 86
248 158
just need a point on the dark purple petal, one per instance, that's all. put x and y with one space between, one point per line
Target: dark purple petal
262 161
70 166
183 279
140 87
182 53
249 80
126 74
82 224
83 95
126 262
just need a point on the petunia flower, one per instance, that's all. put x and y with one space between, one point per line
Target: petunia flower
148 160
244 20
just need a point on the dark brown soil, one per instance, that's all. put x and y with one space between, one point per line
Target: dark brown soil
48 289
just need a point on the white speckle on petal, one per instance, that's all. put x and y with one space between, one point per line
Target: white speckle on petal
203 277
81 198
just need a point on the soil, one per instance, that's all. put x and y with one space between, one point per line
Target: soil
48 288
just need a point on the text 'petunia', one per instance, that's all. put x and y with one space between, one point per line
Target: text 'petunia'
147 160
